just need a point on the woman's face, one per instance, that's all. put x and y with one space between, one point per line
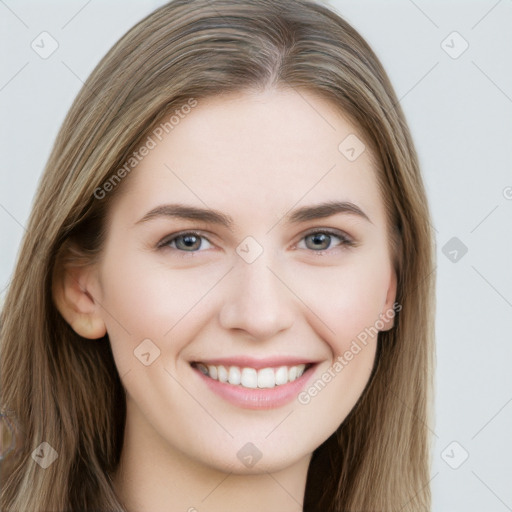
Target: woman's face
247 245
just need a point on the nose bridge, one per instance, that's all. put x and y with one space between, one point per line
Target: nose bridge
258 281
256 300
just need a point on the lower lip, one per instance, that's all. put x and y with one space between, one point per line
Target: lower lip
265 398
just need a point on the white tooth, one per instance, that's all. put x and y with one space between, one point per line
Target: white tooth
281 375
212 370
249 378
234 376
292 373
266 378
222 374
300 370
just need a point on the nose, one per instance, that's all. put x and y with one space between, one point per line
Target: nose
257 301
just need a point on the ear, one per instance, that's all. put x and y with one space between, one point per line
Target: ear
390 307
74 289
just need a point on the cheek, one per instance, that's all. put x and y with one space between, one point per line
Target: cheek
144 301
347 300
345 310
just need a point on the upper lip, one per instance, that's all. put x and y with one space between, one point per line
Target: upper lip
251 362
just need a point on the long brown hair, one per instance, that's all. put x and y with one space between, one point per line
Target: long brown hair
64 390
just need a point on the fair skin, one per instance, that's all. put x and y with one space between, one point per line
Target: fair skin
257 158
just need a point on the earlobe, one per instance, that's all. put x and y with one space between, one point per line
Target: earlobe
72 294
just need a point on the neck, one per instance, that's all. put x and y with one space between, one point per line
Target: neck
154 477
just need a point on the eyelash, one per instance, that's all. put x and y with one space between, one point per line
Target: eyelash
345 240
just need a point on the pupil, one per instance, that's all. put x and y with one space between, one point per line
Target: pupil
320 241
189 241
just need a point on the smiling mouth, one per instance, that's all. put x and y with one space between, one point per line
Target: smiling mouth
252 378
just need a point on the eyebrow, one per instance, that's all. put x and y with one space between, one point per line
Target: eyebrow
180 211
323 210
303 214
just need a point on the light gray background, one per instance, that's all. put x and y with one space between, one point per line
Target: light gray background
460 114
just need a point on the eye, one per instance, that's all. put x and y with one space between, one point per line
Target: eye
323 240
189 242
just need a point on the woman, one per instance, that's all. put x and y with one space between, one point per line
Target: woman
224 297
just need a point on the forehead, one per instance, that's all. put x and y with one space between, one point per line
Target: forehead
256 151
